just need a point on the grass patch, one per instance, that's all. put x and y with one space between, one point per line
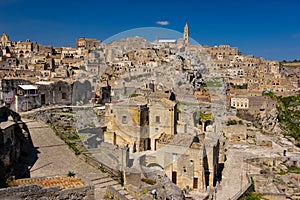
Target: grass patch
134 95
205 116
102 169
294 169
74 137
145 191
74 147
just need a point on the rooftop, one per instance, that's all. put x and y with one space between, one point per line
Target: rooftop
28 87
62 182
182 140
134 101
44 82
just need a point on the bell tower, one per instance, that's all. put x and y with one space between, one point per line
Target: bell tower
186 34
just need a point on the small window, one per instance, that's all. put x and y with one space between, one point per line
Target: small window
157 119
195 183
174 157
156 130
64 95
124 119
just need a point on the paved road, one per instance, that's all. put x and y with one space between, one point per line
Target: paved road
55 158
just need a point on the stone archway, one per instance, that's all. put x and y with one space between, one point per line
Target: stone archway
206 124
152 165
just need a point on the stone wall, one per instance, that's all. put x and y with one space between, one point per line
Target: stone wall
271 196
9 90
112 193
25 103
59 92
36 192
17 153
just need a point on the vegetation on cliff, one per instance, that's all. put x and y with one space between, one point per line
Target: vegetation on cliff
289 115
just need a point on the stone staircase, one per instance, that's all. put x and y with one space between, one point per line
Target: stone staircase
102 181
123 192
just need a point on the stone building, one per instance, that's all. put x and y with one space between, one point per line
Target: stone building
4 40
186 34
45 50
87 43
23 49
187 169
95 62
127 124
103 92
7 62
139 123
60 72
239 102
53 93
27 98
252 103
191 162
69 52
261 103
9 90
162 119
224 50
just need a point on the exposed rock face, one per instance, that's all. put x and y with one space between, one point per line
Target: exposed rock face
265 120
269 122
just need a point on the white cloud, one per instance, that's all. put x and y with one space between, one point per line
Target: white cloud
163 23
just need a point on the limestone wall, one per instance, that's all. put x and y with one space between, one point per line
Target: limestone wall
271 196
36 192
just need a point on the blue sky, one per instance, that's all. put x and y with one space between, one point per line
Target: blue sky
269 29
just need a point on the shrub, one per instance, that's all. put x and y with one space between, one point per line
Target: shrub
71 174
231 122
